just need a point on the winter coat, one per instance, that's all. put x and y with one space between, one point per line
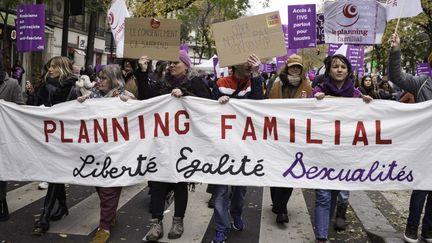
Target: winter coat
419 86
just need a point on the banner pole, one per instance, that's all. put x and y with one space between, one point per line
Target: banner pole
400 14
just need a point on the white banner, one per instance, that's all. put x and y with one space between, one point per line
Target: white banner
403 8
333 143
116 19
354 21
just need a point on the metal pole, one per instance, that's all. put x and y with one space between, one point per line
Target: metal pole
64 48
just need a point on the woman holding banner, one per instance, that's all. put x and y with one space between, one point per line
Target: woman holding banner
421 88
337 82
111 84
290 83
57 86
180 80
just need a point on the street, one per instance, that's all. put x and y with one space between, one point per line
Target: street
382 213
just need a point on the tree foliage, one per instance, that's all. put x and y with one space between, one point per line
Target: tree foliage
416 39
199 17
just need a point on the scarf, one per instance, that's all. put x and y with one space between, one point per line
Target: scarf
329 88
177 81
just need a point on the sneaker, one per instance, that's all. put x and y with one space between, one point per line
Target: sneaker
410 235
426 235
220 237
176 228
156 230
43 185
238 223
101 236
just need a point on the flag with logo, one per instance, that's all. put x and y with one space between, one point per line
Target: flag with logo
402 8
354 22
116 19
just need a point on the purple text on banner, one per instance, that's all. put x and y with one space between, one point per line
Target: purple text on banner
301 26
320 29
30 27
423 69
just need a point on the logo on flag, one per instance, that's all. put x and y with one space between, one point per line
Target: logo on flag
352 15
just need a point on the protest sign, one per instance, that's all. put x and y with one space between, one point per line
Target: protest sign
30 27
117 14
402 8
423 69
320 29
156 38
338 144
354 22
237 39
301 26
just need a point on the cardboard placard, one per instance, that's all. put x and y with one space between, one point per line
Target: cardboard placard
237 39
156 38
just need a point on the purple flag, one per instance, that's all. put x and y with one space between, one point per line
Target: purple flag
30 27
280 61
320 29
423 69
302 26
333 48
355 55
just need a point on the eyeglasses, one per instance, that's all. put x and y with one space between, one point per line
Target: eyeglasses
103 77
175 63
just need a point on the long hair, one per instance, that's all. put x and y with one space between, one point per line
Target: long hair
63 64
114 76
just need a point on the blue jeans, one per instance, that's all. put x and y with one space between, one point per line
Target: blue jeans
343 197
224 206
325 204
417 201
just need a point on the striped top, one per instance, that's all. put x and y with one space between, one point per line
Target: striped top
250 88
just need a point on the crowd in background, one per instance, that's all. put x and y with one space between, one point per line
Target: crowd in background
62 81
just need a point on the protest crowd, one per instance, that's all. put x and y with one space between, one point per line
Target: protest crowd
143 78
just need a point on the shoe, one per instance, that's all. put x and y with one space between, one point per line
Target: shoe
101 236
426 235
282 218
410 235
220 237
62 211
43 185
321 241
156 230
176 228
340 222
238 223
4 211
211 202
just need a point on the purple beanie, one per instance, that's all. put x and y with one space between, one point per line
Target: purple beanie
99 68
184 57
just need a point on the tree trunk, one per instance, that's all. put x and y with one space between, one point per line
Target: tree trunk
91 38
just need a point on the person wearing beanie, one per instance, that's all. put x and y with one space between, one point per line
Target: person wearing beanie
9 91
421 88
180 80
290 83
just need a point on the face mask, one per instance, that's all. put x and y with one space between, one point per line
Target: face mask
294 81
